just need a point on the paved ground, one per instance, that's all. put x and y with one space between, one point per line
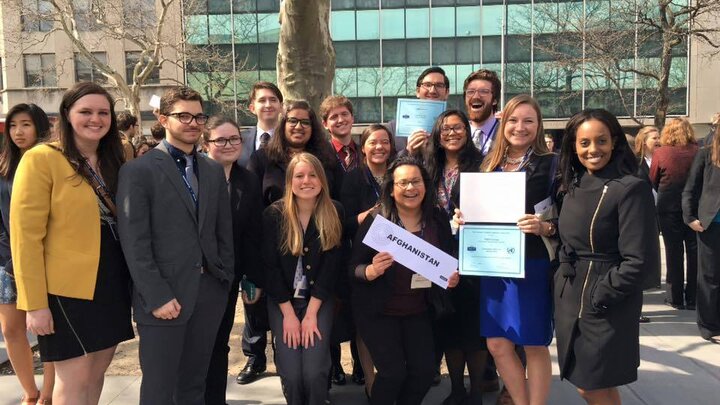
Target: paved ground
678 368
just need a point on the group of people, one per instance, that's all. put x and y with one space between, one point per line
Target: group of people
276 216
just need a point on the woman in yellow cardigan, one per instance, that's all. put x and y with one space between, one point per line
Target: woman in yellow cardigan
71 275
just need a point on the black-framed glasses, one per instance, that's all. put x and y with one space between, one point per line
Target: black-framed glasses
304 123
405 184
482 92
187 118
222 142
458 129
430 85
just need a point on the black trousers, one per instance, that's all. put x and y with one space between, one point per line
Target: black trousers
680 242
402 348
217 375
175 359
254 338
708 294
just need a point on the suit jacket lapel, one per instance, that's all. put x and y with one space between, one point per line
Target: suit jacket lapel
236 188
168 166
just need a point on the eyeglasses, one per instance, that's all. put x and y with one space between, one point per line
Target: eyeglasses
482 92
222 142
187 118
405 184
458 129
304 123
430 85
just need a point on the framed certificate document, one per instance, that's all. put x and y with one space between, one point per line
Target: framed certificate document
492 250
415 114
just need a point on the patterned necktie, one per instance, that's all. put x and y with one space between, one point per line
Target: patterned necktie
477 138
348 157
264 139
190 174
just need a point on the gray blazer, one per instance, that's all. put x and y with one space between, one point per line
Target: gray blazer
248 137
166 243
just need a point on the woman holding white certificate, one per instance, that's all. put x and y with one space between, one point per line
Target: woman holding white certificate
518 311
392 304
609 246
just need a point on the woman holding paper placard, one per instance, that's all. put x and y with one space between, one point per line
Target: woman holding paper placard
449 153
516 311
391 303
609 246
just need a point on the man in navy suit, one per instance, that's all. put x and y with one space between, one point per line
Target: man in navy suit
266 104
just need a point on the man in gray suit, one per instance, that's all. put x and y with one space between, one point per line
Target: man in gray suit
176 232
265 102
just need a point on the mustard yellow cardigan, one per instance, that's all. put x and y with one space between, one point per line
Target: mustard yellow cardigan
54 230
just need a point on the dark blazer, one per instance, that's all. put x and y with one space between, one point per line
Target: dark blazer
246 209
272 177
5 257
358 195
668 174
166 240
644 170
701 197
540 176
320 266
370 297
248 136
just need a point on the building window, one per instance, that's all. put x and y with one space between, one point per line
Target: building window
40 70
84 14
86 71
139 14
34 15
131 59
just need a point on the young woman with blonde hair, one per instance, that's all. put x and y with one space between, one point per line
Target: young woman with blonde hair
301 245
646 141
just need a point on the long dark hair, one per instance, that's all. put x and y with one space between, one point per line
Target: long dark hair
622 155
317 145
10 155
109 151
469 157
387 202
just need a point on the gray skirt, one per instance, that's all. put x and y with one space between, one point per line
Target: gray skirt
8 289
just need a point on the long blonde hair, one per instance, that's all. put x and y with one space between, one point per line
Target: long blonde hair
641 138
326 217
501 144
715 151
677 132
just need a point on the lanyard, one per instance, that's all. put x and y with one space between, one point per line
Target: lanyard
187 183
373 183
489 136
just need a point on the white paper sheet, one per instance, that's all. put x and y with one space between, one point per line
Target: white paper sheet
496 197
411 251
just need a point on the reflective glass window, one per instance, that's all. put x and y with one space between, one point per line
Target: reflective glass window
520 19
517 78
342 25
245 28
342 5
443 21
517 48
197 29
468 50
345 82
546 18
345 54
368 24
394 81
417 3
416 22
368 53
443 51
393 23
452 77
268 28
491 49
268 5
369 81
491 23
268 56
368 109
86 71
220 29
393 53
468 21
418 52
462 72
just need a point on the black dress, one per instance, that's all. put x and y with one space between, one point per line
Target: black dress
87 326
610 245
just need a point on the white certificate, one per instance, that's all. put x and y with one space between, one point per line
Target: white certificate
495 197
411 251
415 114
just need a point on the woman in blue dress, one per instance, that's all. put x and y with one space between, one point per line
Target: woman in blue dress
518 311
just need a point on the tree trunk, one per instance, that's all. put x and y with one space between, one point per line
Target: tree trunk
663 84
306 57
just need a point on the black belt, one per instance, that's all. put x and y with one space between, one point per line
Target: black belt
568 256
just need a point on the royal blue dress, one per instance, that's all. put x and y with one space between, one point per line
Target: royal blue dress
521 309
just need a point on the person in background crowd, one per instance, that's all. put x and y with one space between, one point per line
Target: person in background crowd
392 304
609 245
127 125
701 212
482 90
359 195
646 141
176 231
550 142
26 126
157 132
224 144
714 122
144 147
301 247
336 113
519 311
432 84
300 131
451 152
77 295
265 102
668 174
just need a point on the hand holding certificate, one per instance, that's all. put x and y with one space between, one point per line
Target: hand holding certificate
411 251
416 114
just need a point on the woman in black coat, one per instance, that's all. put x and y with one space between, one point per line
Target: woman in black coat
391 304
609 245
701 212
